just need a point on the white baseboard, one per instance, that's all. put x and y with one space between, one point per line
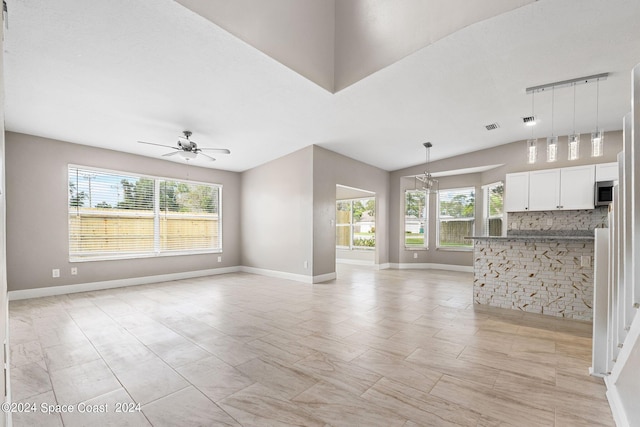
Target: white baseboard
384 266
354 261
324 277
615 402
288 276
431 266
277 274
110 284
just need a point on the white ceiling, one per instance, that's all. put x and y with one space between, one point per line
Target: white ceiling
110 73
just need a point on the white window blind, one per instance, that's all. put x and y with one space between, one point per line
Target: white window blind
118 215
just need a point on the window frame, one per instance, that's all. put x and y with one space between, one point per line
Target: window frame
424 219
486 215
157 215
461 248
351 225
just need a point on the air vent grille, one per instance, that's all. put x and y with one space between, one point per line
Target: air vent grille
492 126
529 120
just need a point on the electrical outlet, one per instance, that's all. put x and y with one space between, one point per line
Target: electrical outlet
585 261
74 271
549 222
306 264
219 259
415 255
55 273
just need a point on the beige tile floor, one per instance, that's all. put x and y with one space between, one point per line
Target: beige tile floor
372 348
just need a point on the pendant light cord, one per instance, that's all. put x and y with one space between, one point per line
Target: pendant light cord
597 101
574 108
553 99
533 109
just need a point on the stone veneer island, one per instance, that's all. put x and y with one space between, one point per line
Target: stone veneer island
544 274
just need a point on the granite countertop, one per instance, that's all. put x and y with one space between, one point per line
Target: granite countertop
540 235
531 237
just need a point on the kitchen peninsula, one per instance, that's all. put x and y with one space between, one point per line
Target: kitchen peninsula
543 265
542 273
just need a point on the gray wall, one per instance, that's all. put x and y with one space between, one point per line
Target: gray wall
511 157
4 307
37 224
276 217
288 210
330 169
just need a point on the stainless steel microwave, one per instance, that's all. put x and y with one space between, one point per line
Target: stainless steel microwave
604 193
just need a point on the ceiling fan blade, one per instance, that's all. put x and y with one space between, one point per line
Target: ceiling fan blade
208 157
173 153
159 145
217 150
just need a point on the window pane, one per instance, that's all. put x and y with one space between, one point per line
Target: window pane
188 216
364 222
415 218
355 223
456 217
496 196
109 213
494 210
343 212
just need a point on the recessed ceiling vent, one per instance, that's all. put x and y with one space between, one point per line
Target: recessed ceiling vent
529 120
492 126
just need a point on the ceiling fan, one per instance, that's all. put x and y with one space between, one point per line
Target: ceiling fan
187 148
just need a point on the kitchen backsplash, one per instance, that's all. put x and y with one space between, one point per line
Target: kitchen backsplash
557 221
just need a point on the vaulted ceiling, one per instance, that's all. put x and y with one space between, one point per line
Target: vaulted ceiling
370 79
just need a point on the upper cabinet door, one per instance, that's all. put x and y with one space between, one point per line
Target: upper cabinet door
517 192
577 187
544 190
607 171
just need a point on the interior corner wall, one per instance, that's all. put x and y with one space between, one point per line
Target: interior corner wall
37 219
329 170
276 214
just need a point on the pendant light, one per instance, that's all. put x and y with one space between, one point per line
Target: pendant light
574 138
597 137
552 141
532 144
425 181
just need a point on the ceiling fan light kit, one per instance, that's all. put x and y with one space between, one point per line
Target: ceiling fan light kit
188 149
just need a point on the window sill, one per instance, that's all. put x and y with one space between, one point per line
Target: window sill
142 256
411 248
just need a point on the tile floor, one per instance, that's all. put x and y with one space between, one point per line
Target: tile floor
372 348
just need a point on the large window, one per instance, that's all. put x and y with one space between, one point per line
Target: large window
493 211
116 215
456 217
415 219
356 223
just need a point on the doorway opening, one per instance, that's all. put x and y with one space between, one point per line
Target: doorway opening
355 226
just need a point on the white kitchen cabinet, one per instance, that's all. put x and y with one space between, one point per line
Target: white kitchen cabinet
551 189
517 192
607 171
577 187
544 190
